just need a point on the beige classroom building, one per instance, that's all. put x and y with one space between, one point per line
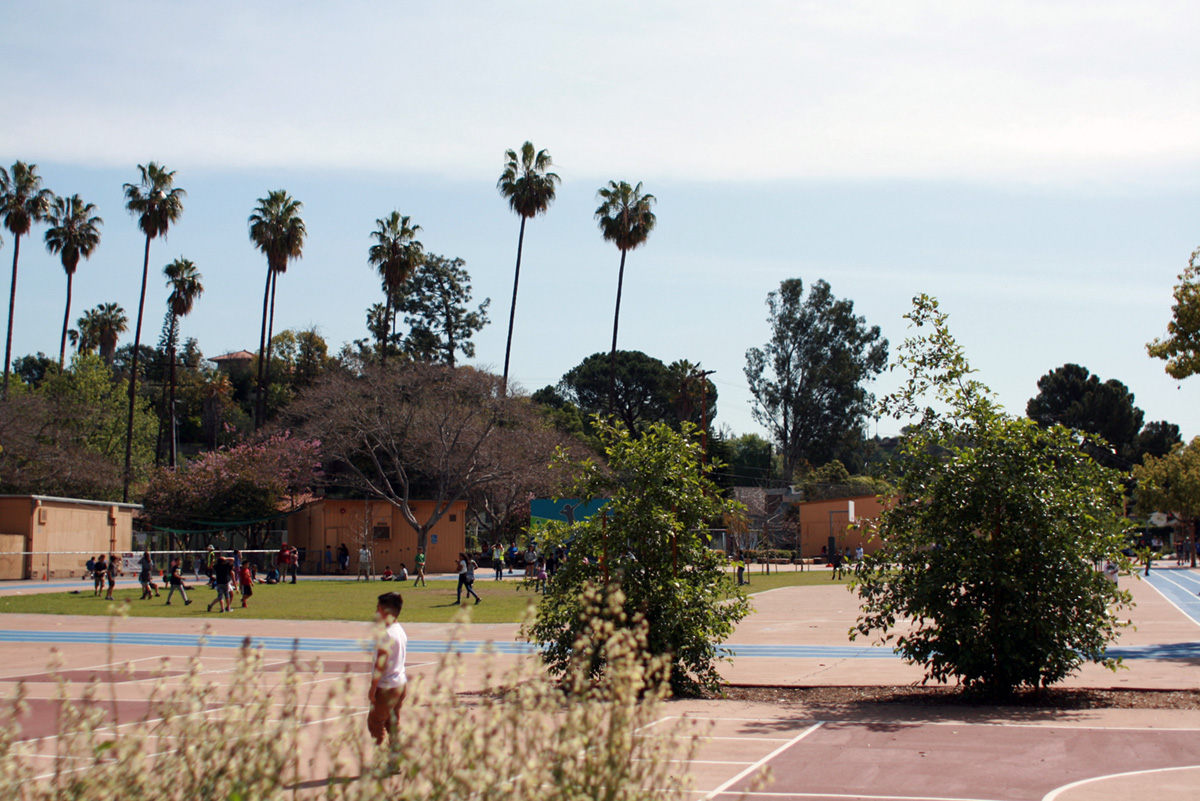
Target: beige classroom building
43 537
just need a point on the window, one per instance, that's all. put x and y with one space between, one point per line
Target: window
381 532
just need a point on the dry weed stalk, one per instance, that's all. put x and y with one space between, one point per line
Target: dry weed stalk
523 736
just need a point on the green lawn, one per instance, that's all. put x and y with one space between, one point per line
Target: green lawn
503 602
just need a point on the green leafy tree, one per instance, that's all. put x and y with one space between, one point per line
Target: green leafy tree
748 460
639 396
1157 439
23 202
396 254
66 436
34 369
987 572
73 233
1171 483
277 230
649 544
157 204
626 220
1180 348
808 380
436 311
185 283
529 188
1103 411
833 480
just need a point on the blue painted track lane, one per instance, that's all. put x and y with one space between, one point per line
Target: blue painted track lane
1180 587
327 645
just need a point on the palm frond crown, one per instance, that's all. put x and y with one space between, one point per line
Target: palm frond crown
155 200
184 281
526 181
23 201
624 214
277 229
74 231
396 253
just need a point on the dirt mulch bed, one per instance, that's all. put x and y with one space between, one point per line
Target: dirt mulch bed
875 697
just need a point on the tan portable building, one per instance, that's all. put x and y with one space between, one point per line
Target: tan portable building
55 536
381 526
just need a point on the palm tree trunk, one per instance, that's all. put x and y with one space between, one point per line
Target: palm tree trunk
133 373
62 347
512 313
389 323
270 333
12 300
262 349
612 357
171 403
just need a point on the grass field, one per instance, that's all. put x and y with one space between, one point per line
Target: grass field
503 602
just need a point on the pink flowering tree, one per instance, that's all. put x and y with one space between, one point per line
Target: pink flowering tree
235 488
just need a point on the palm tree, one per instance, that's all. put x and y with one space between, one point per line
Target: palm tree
183 279
530 190
396 254
156 203
101 327
625 220
74 232
23 202
278 231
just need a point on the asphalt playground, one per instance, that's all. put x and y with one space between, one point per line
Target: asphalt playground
796 637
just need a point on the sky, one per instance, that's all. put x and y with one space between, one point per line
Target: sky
1032 165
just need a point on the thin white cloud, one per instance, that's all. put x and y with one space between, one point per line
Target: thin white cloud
1025 91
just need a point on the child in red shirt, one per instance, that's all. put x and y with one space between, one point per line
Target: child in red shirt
246 580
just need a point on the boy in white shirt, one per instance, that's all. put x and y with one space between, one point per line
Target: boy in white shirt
388 679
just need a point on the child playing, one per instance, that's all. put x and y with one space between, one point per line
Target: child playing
246 579
539 582
175 579
388 679
387 574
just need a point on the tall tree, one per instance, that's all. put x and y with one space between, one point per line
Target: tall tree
808 380
395 254
23 202
74 233
529 189
1181 346
184 281
639 397
415 431
989 551
626 220
648 546
1071 396
436 311
156 203
276 229
1171 483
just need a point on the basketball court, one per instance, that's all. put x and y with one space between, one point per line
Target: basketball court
797 637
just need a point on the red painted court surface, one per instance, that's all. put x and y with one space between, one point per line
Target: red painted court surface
943 761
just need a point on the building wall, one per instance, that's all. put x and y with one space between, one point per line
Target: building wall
815 524
381 525
78 527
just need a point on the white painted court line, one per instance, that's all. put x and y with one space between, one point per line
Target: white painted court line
757 765
855 796
1054 794
1172 603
